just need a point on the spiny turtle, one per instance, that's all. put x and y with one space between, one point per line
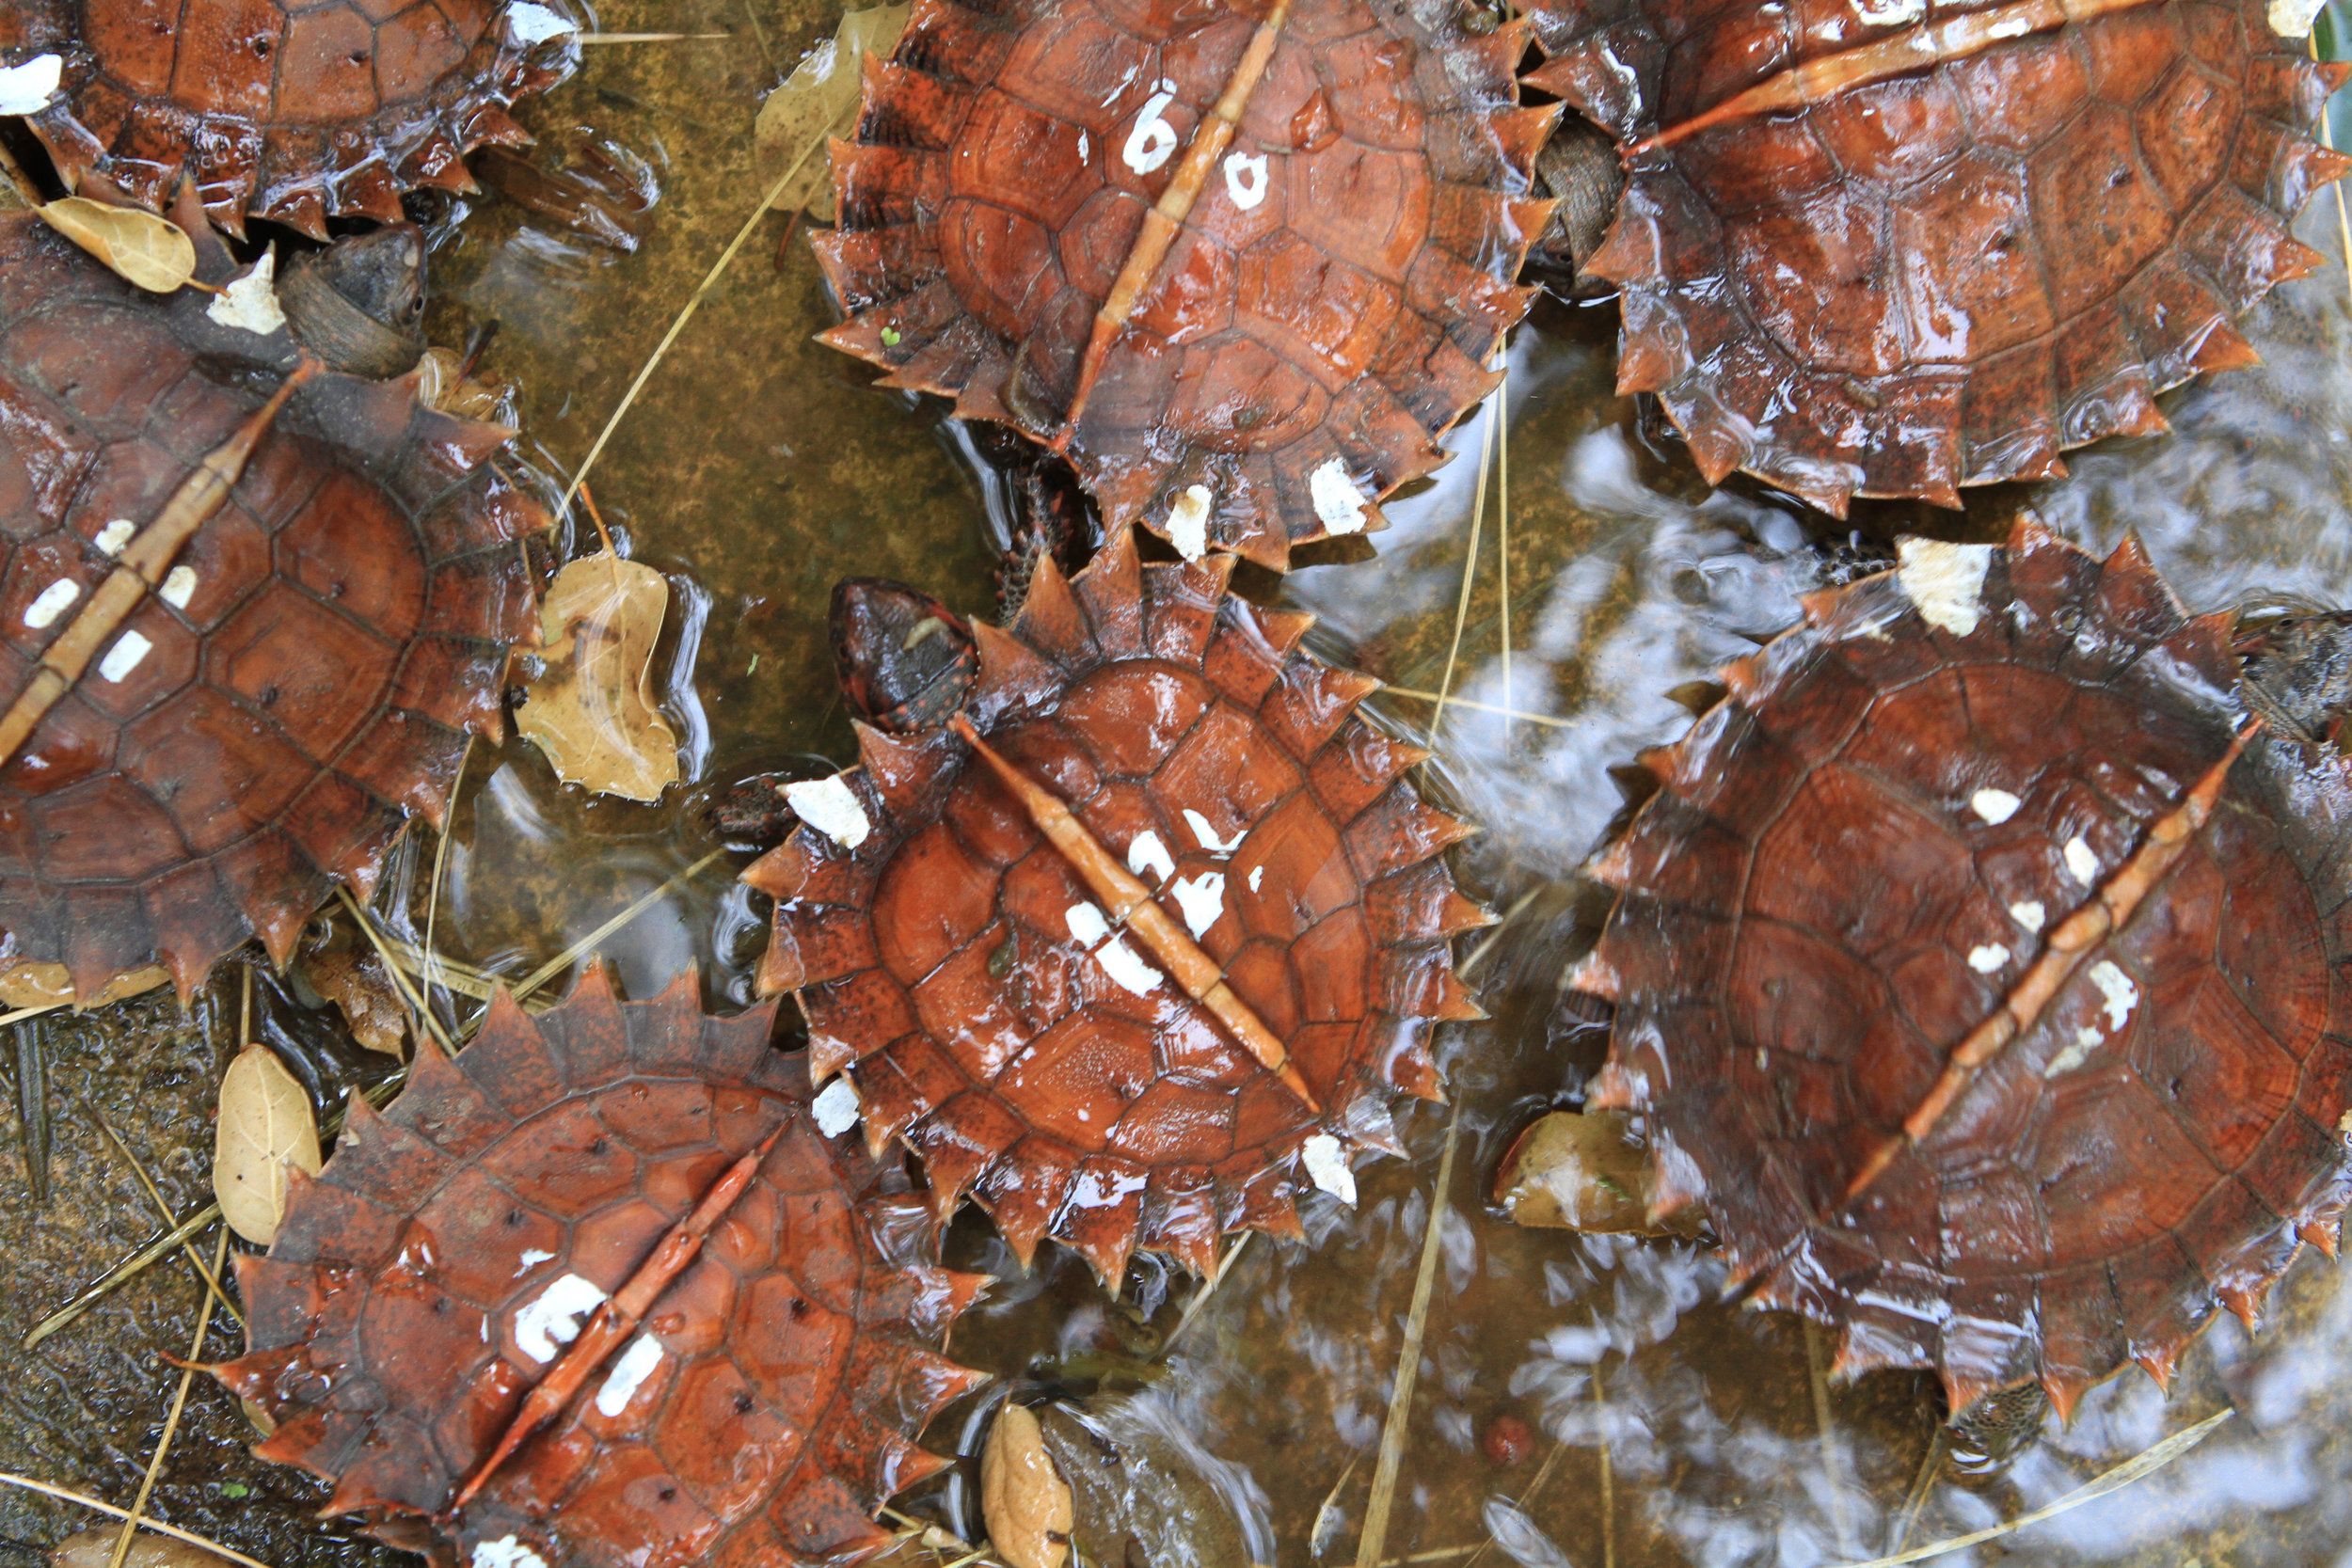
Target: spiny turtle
1978 964
291 112
1242 263
250 611
1127 922
759 1408
1892 250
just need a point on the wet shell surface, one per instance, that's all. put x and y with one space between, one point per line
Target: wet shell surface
432 1274
297 112
1039 1053
296 683
1976 965
1891 250
1341 190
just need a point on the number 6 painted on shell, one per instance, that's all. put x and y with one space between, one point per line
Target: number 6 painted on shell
1153 142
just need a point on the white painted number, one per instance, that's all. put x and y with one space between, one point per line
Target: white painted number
1245 178
1153 142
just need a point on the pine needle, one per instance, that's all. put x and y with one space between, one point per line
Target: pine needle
178 1403
1502 529
1825 1432
154 1195
1420 696
416 1004
580 949
1469 564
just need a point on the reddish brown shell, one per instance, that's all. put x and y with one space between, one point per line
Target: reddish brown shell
282 110
1868 850
935 958
401 1314
1930 278
302 684
1331 303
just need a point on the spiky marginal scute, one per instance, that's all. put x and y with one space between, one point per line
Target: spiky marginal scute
935 961
389 1326
1815 908
1338 323
332 111
1946 278
309 682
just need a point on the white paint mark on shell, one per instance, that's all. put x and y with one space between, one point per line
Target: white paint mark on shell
1201 899
506 1552
552 1319
1125 965
1327 1165
251 301
1153 142
1995 806
1088 925
1257 878
831 807
1149 853
530 23
1207 835
2029 913
2293 19
2081 864
27 88
114 535
129 651
1188 522
630 1372
837 1107
1338 502
530 1259
1944 581
2086 1042
1245 179
53 602
179 587
2117 986
1987 958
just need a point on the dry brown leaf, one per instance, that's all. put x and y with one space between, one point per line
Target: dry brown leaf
266 1127
144 249
1583 1170
349 973
590 709
1024 1500
819 101
94 1548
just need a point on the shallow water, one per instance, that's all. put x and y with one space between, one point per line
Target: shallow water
756 468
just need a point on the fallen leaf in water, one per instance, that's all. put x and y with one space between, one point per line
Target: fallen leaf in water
820 100
443 385
590 709
266 1128
1583 1170
144 249
344 970
1024 1500
95 1547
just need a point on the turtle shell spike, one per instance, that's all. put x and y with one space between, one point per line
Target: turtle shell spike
1150 951
1967 879
764 1407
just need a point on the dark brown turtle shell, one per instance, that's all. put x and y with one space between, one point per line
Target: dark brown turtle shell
277 109
1891 250
1253 368
273 712
1982 1040
428 1276
946 956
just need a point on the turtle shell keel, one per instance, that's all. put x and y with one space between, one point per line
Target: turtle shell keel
292 112
1976 964
285 686
1076 1056
1887 250
1241 262
766 1406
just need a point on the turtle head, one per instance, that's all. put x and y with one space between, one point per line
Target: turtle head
359 303
907 661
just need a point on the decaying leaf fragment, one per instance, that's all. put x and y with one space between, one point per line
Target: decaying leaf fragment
143 249
590 709
342 969
1583 1170
817 103
1022 1497
266 1127
95 1548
